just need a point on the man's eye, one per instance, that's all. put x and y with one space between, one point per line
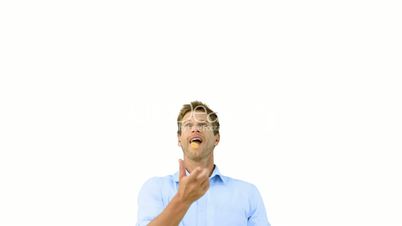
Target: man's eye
204 125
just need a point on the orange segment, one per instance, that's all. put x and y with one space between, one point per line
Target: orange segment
194 145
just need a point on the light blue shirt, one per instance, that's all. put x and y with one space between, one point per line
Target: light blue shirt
228 202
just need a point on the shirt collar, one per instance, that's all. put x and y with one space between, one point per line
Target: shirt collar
215 173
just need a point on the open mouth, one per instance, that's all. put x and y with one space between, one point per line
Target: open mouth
197 140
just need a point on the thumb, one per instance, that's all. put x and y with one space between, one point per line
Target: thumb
182 169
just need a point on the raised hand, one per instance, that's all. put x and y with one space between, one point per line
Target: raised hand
193 186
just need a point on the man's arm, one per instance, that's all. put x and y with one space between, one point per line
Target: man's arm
191 188
172 214
258 213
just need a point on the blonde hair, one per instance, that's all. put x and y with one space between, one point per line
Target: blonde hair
198 106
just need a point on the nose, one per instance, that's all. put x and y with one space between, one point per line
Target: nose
195 128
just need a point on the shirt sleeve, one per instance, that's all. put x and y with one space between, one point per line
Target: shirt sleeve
258 215
150 203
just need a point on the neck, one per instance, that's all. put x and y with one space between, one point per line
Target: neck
207 163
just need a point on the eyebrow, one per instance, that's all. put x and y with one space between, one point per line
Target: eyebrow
189 121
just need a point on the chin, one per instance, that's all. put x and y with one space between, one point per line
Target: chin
195 158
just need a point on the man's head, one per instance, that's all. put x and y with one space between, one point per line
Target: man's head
198 130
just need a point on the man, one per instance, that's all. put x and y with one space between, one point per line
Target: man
199 195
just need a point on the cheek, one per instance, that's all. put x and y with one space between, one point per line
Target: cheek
183 142
211 143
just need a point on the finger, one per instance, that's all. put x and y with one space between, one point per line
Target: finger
203 175
194 174
205 185
182 169
204 182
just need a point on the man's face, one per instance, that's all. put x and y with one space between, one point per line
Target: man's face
197 138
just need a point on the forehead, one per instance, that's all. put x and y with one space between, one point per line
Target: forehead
197 116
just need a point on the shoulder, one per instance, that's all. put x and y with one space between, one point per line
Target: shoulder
153 181
249 192
157 188
244 188
156 182
230 181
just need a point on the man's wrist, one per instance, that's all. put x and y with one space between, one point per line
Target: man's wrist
181 202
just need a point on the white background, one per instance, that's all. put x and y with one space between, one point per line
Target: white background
308 94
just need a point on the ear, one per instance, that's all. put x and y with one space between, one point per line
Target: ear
217 139
178 140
